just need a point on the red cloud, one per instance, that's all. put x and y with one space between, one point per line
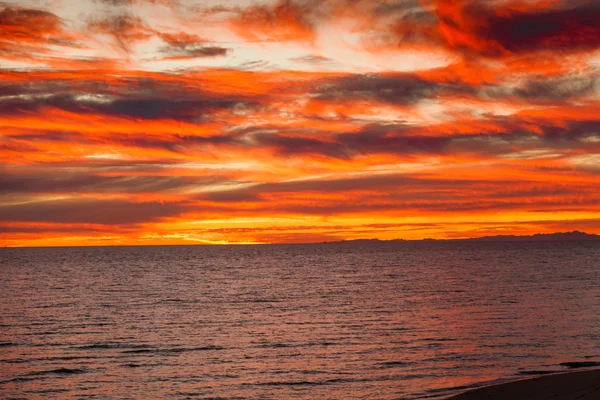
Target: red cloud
283 21
498 29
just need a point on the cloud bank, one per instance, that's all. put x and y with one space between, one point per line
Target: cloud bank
144 122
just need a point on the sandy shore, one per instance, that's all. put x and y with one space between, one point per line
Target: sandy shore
581 385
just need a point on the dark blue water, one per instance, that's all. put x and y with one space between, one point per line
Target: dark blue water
331 321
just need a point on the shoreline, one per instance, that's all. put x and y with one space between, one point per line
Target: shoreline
580 385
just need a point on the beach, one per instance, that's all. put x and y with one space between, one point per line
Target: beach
580 385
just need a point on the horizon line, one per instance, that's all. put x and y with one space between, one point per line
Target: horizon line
500 238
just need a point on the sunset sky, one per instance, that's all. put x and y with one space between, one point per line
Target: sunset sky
230 121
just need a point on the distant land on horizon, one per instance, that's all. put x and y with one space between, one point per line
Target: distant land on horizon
573 236
538 237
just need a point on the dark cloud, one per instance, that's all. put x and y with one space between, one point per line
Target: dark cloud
543 90
402 89
200 51
575 27
194 51
512 136
70 229
399 140
63 182
558 89
151 95
371 139
571 133
178 144
184 109
92 211
493 29
147 100
394 139
230 196
410 89
27 85
312 59
182 45
500 135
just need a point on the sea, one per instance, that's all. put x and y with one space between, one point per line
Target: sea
350 320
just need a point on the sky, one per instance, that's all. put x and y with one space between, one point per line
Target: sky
290 121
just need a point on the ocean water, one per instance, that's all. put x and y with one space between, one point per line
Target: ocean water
366 320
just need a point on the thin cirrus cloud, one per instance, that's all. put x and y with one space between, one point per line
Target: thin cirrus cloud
145 121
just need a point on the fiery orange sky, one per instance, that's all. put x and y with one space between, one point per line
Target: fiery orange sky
223 121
